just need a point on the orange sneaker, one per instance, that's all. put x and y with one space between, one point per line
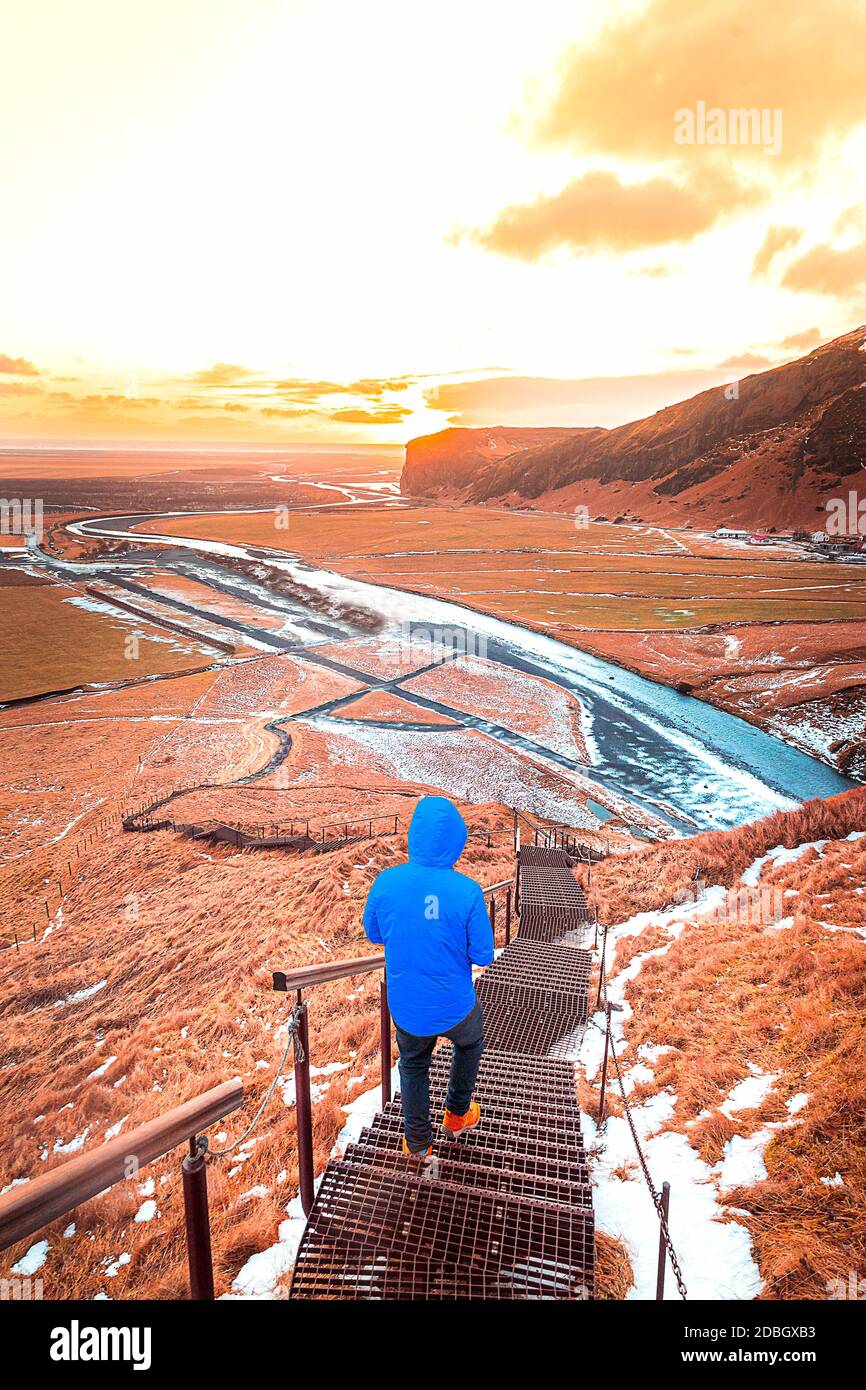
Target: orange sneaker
456 1124
416 1153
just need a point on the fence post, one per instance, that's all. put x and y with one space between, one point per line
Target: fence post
508 917
660 1278
601 967
198 1251
604 1066
385 1039
304 1107
493 918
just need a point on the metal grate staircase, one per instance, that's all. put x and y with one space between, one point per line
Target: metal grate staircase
505 1211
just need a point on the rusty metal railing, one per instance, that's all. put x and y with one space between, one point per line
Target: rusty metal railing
301 978
34 1204
493 894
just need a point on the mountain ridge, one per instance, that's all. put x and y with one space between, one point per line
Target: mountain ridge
777 444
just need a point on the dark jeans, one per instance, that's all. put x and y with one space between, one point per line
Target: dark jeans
467 1038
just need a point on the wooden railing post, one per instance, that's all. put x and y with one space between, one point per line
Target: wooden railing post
508 917
493 918
304 1107
385 1039
198 1251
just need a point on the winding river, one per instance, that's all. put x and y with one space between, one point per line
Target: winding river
696 766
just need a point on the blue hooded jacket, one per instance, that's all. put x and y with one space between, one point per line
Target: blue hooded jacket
432 922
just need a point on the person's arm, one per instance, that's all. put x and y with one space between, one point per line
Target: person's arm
479 933
371 923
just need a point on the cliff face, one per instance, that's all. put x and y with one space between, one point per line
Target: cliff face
789 437
456 459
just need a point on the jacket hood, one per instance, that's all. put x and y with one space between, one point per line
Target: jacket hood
437 833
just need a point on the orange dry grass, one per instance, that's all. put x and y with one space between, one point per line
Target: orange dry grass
388 705
790 1000
651 878
48 642
613 1272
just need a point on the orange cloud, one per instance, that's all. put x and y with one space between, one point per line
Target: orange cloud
802 342
374 386
598 212
777 239
222 374
823 270
17 366
387 415
274 412
745 361
20 388
299 388
618 93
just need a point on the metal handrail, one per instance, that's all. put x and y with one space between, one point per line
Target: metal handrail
31 1205
496 887
299 979
304 976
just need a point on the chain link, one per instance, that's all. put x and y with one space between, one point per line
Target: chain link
293 1035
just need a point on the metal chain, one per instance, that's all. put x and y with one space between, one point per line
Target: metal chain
656 1196
292 1027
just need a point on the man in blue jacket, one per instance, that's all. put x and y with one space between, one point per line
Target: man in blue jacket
434 926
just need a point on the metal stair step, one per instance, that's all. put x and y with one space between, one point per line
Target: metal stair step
518 1090
537 1187
504 1128
556 1165
510 1236
522 1119
550 1070
487 1140
338 1270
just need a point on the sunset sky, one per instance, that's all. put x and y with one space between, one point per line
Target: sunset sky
273 220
